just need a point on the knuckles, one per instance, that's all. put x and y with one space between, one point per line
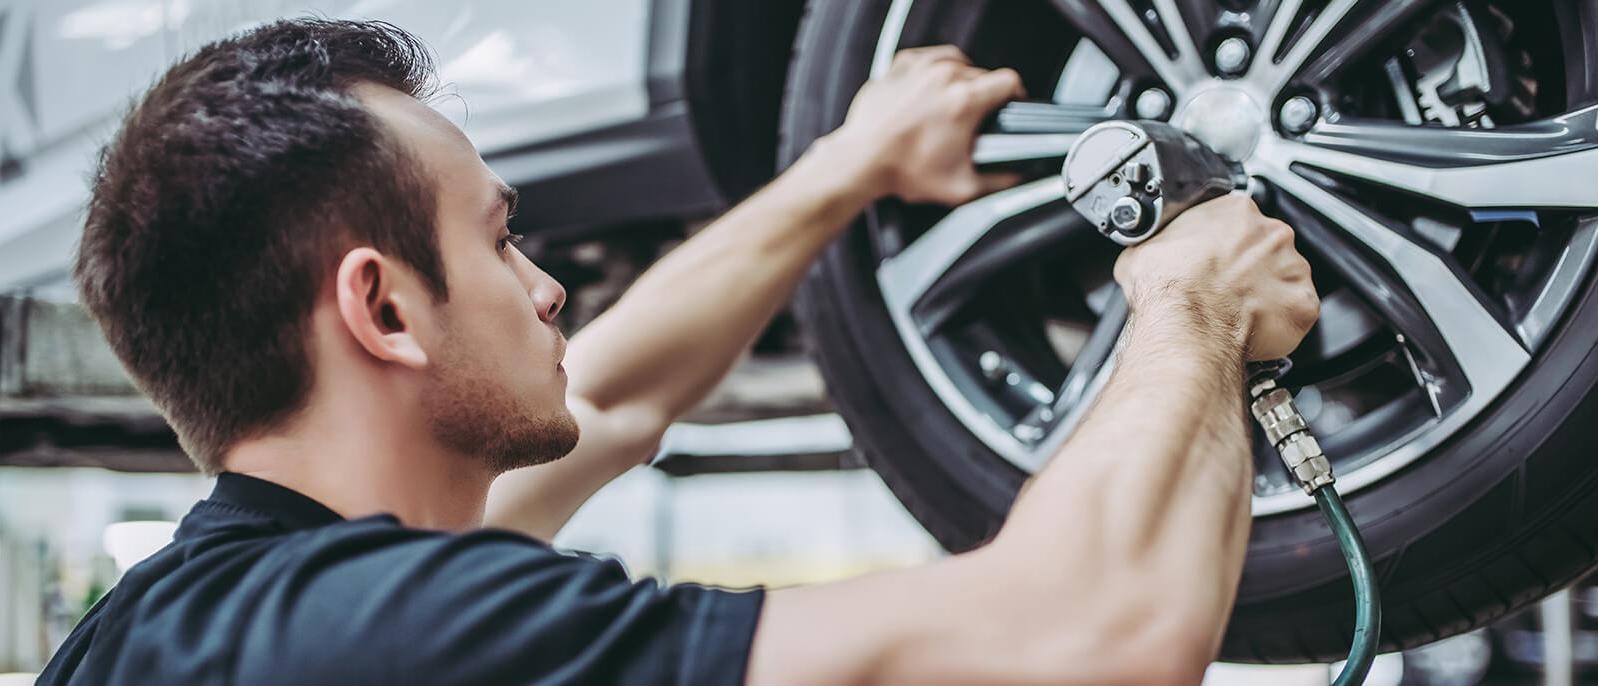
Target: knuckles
943 71
1279 235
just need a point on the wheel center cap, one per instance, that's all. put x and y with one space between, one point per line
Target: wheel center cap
1226 118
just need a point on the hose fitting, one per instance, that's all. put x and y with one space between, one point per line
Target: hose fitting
1287 431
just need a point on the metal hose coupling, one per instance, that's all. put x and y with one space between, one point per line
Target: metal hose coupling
1272 406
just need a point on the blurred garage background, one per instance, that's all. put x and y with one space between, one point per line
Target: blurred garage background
574 103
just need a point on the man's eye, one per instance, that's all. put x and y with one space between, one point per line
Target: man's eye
508 240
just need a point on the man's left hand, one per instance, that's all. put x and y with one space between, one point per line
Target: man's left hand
917 125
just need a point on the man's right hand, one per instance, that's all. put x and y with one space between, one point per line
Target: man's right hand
1236 266
1156 481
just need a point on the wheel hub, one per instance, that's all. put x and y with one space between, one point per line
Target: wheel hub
1226 118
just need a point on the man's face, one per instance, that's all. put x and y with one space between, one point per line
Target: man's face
495 385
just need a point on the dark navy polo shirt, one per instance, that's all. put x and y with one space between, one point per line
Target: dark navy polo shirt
262 585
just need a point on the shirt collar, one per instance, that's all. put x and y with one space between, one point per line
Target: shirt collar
287 506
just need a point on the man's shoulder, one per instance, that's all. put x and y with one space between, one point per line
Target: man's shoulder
189 612
381 541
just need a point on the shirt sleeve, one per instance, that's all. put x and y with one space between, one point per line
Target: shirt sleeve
389 605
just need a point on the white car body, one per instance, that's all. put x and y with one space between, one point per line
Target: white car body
525 71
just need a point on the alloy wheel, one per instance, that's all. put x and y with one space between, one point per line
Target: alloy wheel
1421 150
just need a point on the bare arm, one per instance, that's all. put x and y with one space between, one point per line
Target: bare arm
1121 561
678 331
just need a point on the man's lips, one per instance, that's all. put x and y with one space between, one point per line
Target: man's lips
560 350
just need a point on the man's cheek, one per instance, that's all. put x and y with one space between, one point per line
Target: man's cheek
507 322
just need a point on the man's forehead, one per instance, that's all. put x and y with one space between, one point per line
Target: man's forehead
440 145
406 114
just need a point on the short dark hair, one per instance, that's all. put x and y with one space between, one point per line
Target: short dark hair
222 206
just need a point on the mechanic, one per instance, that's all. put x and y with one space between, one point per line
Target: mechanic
309 272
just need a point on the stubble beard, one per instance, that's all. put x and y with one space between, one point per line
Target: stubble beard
472 412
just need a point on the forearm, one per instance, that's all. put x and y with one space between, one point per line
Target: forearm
1148 503
679 329
1117 565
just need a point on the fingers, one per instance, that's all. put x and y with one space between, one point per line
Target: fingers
993 182
912 58
1308 310
927 107
964 188
990 89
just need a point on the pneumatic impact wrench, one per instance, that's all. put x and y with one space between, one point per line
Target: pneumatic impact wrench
1131 179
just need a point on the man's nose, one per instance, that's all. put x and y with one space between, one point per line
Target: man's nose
550 297
547 293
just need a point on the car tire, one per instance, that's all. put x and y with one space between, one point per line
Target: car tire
1499 515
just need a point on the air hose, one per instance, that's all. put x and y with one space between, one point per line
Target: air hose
1131 179
1367 601
1272 406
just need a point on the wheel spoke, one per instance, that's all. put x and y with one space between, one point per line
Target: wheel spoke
1519 182
1388 15
1266 10
1177 73
1089 372
1056 436
1095 353
1187 50
994 148
1485 352
1387 295
1275 32
906 277
1434 146
1005 247
1270 76
1200 17
1118 30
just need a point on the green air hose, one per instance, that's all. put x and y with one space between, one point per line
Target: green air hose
1287 431
1367 601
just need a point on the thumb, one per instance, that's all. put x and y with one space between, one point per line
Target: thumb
994 88
993 182
972 185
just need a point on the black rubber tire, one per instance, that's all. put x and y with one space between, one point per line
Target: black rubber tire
1502 514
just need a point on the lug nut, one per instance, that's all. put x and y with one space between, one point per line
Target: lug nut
1231 56
1153 103
993 365
1298 114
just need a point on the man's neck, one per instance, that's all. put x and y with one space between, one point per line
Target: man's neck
358 472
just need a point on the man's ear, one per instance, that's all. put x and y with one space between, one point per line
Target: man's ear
381 307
